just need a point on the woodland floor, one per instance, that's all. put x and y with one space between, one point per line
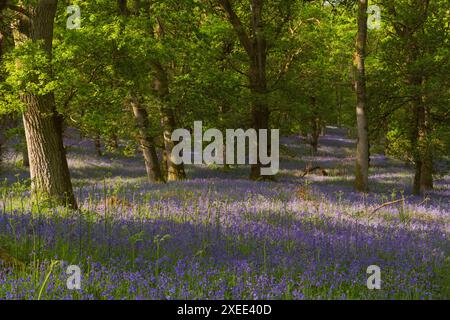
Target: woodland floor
220 236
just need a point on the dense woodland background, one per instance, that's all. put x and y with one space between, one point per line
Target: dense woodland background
137 70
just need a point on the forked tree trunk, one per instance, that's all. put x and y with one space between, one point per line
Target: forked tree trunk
255 45
362 148
43 128
146 143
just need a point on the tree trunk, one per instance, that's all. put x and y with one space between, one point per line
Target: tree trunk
362 148
43 126
146 143
315 124
258 83
255 45
98 145
426 172
161 87
424 179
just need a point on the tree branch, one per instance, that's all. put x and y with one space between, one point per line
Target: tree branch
237 26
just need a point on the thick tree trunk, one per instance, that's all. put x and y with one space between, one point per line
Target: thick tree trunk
161 87
362 148
146 143
258 83
43 126
260 112
426 172
423 178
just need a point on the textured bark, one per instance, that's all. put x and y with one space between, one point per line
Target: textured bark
362 147
146 143
161 87
43 126
25 159
426 172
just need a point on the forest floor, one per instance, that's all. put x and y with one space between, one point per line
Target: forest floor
219 235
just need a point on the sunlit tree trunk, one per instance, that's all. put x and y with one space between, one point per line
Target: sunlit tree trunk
161 87
147 143
48 164
362 148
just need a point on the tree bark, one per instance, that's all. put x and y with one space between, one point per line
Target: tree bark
25 159
146 143
258 81
423 159
43 125
362 147
161 87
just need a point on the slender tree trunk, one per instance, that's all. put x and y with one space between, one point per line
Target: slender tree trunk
426 171
422 155
146 143
43 127
98 145
316 128
362 148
